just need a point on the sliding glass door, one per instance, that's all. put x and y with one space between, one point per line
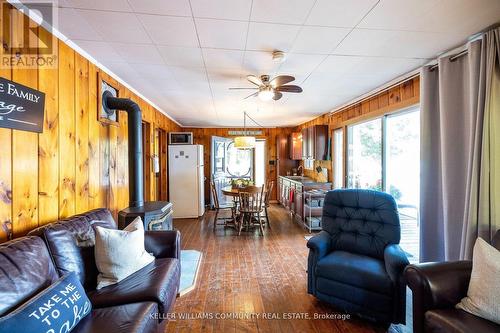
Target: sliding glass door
364 155
383 154
403 158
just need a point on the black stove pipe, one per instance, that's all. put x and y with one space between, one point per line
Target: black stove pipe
135 163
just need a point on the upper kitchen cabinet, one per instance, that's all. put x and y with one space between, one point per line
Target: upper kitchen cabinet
315 142
295 145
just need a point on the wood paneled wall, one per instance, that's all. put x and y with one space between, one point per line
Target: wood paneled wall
203 136
77 163
396 98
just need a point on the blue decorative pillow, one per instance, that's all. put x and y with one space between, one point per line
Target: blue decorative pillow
56 309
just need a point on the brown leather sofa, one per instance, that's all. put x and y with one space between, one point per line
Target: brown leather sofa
136 304
437 288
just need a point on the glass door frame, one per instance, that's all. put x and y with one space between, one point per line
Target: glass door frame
345 128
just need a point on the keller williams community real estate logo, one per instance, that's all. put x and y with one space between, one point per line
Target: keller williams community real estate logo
25 43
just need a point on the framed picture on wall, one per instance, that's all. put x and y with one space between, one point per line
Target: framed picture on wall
106 116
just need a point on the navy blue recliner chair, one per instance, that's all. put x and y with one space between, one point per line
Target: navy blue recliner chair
355 262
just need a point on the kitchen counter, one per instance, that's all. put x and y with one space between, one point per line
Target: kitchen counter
292 192
304 180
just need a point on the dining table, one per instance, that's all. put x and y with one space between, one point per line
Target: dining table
231 191
234 192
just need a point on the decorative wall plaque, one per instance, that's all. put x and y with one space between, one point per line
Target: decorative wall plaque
21 107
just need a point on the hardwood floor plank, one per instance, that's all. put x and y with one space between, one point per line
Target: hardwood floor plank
263 276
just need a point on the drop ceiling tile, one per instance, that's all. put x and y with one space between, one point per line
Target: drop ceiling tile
369 66
154 71
113 5
193 80
170 30
221 58
300 64
281 11
464 16
101 51
138 53
188 74
221 33
116 27
318 40
390 43
339 13
74 26
161 7
259 62
270 37
181 56
222 9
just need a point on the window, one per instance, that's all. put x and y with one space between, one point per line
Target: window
338 158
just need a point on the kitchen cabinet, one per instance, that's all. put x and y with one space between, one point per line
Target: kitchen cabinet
315 142
283 162
295 146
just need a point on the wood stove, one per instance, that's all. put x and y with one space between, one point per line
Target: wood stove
156 215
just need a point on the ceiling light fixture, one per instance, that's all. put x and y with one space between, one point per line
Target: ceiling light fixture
266 93
278 56
244 142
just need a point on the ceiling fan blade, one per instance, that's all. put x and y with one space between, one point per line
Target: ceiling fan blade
255 80
289 88
252 95
277 95
281 80
242 88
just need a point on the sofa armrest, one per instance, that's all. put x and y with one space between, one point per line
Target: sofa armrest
395 261
163 243
436 286
320 244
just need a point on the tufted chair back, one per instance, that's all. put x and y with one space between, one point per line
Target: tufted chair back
361 221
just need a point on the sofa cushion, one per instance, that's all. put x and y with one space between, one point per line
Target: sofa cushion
483 295
459 321
157 282
120 253
356 270
26 269
71 243
58 308
361 221
128 318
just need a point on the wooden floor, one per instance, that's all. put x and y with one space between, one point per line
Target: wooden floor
252 275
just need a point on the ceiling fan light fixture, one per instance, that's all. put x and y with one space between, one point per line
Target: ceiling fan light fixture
266 94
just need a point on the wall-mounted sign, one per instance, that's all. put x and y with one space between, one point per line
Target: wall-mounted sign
21 107
247 132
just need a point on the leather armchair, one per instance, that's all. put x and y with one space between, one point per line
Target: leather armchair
355 262
437 288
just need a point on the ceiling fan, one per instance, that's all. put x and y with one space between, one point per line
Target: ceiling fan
271 89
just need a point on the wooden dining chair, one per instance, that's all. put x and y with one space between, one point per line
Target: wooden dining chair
221 207
267 198
251 206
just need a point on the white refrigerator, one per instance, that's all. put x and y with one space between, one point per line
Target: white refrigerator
186 180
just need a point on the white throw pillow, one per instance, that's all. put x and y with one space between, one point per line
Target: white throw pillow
483 296
119 253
